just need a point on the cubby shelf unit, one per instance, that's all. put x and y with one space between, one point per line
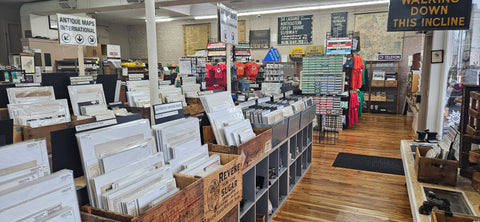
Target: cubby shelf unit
274 176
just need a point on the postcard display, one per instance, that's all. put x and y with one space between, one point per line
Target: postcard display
28 192
36 107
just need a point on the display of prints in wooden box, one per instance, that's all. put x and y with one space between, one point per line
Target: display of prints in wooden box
222 189
439 216
185 205
390 83
378 83
145 112
27 133
250 151
437 171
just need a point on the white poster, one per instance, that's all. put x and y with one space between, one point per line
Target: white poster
228 22
76 30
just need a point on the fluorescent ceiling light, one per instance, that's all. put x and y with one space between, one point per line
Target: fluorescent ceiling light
310 8
205 17
163 19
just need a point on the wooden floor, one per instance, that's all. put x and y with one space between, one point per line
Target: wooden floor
328 193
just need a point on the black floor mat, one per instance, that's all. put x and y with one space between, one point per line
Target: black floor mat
369 163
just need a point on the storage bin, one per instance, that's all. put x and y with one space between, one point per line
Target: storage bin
438 171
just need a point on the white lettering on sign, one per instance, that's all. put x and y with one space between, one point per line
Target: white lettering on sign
76 30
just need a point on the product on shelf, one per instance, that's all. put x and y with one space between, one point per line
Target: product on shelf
42 113
26 95
322 75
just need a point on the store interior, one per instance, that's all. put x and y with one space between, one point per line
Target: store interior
240 110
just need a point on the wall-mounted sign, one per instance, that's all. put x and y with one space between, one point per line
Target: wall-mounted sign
415 15
339 46
296 54
384 57
315 50
260 39
227 24
272 56
76 30
339 24
295 30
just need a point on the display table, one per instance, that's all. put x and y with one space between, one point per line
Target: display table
415 188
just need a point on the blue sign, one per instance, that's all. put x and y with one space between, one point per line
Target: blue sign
384 57
272 56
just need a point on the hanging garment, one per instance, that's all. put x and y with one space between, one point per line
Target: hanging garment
357 72
210 70
361 99
251 70
221 75
353 109
240 69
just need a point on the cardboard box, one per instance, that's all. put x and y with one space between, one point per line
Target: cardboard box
378 83
92 51
437 171
251 151
200 199
390 83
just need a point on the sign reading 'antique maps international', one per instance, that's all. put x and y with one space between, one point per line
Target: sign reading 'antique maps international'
416 15
295 30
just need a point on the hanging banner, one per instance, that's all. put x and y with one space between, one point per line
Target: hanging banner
272 56
296 54
76 30
227 24
417 15
295 30
339 24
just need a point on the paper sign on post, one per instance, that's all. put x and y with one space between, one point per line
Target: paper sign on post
228 24
76 30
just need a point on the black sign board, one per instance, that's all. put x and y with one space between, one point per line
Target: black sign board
295 30
417 15
167 112
339 24
260 39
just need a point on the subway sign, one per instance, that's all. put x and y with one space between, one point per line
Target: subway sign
419 15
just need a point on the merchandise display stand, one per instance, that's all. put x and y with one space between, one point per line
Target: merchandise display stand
274 176
387 101
414 187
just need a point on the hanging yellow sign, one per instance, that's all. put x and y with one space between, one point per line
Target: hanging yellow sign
297 53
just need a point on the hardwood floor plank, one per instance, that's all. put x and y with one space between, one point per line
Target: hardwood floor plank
328 193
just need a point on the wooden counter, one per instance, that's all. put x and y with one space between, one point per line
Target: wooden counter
415 188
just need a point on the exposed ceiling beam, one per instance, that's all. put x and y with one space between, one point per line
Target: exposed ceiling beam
166 3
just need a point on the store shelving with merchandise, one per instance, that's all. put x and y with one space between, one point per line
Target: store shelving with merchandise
383 88
91 66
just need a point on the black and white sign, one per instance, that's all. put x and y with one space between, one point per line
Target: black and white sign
339 24
385 57
295 30
76 30
227 25
167 112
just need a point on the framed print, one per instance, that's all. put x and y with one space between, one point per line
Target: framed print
437 56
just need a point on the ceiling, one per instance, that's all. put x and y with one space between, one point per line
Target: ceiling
119 11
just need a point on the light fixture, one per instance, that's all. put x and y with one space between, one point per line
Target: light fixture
164 19
205 17
310 8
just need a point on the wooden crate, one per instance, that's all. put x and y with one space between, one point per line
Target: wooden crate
439 216
378 83
476 181
438 171
145 112
251 151
185 205
474 156
390 83
222 189
4 114
28 133
200 199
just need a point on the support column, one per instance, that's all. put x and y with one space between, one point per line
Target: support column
81 61
152 54
229 65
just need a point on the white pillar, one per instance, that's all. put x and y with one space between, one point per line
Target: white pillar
229 65
80 59
152 53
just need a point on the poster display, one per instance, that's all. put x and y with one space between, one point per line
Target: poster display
295 30
339 24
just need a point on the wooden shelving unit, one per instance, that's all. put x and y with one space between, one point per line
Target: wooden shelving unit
388 104
290 159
